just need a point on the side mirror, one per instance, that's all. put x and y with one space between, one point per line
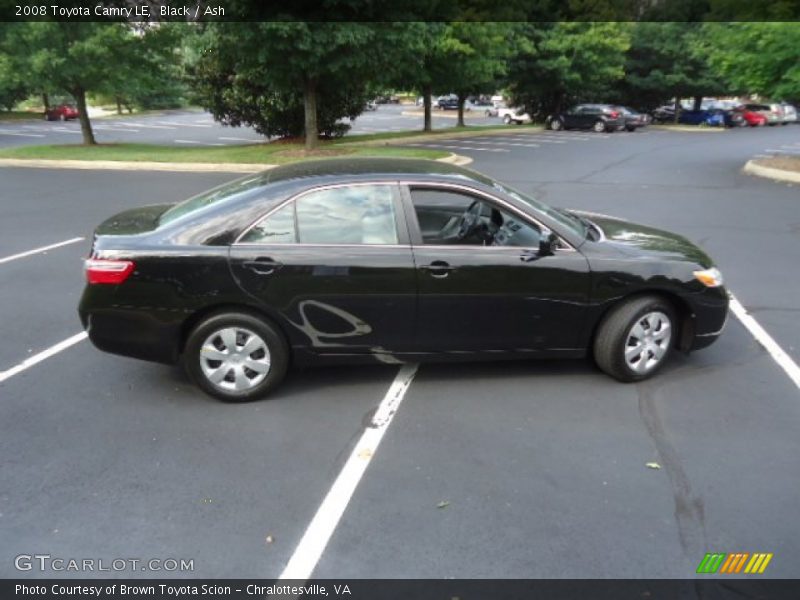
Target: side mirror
547 243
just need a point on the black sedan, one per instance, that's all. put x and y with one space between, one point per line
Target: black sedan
633 120
390 261
598 117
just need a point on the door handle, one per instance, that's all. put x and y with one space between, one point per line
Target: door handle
438 269
263 265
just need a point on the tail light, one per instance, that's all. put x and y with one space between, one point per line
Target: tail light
613 114
99 270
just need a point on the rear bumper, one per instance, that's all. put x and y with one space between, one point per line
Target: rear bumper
134 334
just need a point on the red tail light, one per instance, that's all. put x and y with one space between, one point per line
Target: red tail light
100 270
614 114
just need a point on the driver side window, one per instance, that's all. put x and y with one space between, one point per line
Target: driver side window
448 218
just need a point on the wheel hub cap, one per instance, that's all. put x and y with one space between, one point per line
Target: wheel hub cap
648 341
234 359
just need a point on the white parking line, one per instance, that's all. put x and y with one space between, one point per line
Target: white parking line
16 133
308 552
762 337
183 124
238 139
40 250
503 143
113 128
43 355
529 138
146 126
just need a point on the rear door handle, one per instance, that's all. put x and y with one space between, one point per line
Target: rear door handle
263 265
438 269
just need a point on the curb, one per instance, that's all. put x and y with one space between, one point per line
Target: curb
689 128
119 165
432 137
753 168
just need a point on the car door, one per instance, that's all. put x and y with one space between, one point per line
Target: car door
334 264
572 117
490 290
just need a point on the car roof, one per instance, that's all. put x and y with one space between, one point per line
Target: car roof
372 168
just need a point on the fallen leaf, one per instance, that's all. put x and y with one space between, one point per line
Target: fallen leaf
269 539
652 465
443 504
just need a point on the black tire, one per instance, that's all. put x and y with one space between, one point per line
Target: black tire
599 127
277 349
630 128
507 119
611 339
556 125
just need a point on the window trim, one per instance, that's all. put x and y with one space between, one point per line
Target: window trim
415 232
399 223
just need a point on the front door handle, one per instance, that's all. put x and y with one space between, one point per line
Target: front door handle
438 269
263 265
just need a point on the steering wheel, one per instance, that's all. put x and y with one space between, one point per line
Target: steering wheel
469 220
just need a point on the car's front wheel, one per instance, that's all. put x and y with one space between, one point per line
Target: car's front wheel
599 126
556 125
236 357
507 119
635 339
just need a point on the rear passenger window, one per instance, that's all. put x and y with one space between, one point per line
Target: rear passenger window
359 214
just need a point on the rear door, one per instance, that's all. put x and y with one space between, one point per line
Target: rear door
335 266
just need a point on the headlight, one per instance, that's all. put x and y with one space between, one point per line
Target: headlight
709 277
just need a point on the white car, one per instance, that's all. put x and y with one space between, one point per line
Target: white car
513 115
789 114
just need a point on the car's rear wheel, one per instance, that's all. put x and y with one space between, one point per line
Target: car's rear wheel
556 125
630 128
507 119
236 357
635 339
62 117
599 126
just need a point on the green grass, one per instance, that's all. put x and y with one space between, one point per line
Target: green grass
448 131
20 115
276 153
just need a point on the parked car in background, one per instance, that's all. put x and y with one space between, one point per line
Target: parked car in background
388 261
633 120
789 114
371 105
62 112
510 115
387 99
755 114
598 117
481 106
775 115
449 102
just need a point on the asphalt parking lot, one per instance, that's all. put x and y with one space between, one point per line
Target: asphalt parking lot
508 470
189 128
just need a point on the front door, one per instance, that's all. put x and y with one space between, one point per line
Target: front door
335 266
482 284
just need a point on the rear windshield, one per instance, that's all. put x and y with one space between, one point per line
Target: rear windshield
227 191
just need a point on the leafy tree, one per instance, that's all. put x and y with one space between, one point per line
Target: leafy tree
256 73
664 62
560 63
760 58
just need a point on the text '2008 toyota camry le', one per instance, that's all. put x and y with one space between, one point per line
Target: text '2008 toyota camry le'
388 260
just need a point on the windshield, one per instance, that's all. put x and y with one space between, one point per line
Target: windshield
226 191
569 221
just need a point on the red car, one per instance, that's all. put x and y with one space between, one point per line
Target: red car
62 112
753 114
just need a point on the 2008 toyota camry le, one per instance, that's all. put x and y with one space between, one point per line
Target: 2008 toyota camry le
391 260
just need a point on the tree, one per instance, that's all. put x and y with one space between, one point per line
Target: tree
664 62
79 58
558 63
271 65
756 58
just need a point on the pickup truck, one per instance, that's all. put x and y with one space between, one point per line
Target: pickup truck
513 115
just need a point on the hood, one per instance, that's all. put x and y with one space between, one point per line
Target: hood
636 240
131 222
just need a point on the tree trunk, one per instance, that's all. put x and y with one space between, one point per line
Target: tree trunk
119 106
677 109
426 102
698 103
310 102
46 102
461 100
83 116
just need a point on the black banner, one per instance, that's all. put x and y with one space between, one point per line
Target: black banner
718 588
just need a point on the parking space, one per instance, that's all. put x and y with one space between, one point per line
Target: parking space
495 470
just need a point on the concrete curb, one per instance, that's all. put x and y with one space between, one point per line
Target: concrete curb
752 168
119 165
689 128
445 134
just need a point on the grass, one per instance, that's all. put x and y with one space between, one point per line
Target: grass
20 115
466 131
248 153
